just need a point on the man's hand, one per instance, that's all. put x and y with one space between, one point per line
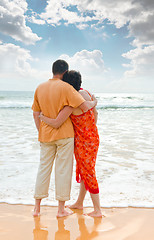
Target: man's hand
94 98
89 104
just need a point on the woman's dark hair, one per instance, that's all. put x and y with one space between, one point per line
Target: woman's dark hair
59 67
73 78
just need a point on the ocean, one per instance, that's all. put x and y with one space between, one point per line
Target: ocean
125 162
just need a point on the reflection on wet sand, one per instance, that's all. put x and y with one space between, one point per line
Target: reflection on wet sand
62 233
39 232
16 222
84 233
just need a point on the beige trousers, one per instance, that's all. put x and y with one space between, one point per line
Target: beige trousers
62 152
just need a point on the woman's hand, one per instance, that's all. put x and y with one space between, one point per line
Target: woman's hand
41 115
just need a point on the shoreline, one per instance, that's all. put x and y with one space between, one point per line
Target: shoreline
119 223
103 207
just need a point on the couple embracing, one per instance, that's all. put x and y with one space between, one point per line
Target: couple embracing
65 116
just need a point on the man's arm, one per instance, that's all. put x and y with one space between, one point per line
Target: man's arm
75 99
88 104
85 106
36 116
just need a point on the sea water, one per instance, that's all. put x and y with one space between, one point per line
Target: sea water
125 162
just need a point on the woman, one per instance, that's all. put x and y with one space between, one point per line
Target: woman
86 144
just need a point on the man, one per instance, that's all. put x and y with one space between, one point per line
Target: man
50 98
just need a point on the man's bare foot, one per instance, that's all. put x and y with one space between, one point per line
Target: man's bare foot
36 212
95 214
64 213
76 206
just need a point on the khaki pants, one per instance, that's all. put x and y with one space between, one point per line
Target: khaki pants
62 152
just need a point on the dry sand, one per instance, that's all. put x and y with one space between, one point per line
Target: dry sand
17 223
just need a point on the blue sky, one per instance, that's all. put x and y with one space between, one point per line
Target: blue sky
110 42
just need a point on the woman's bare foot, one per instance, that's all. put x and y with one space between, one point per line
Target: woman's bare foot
64 213
76 206
36 212
95 214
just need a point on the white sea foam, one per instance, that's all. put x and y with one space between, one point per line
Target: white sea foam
105 101
125 163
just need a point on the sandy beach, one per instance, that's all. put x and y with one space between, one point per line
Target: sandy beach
17 223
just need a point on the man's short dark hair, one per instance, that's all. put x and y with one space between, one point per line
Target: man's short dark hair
73 78
59 67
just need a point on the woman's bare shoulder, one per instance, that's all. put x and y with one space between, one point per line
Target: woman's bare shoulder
85 95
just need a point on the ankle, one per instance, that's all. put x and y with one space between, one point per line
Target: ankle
78 202
98 210
61 211
37 207
37 202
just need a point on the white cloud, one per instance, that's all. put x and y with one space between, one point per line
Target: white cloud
142 29
91 66
11 57
15 63
36 20
12 21
85 61
87 11
138 14
58 11
138 78
140 74
141 62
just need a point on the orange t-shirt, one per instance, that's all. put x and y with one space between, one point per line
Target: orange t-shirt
50 98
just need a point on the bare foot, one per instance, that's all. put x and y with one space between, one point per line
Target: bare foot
64 214
76 206
36 212
95 214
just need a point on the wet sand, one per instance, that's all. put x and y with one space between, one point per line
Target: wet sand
17 223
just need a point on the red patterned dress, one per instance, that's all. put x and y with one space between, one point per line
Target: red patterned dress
85 149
